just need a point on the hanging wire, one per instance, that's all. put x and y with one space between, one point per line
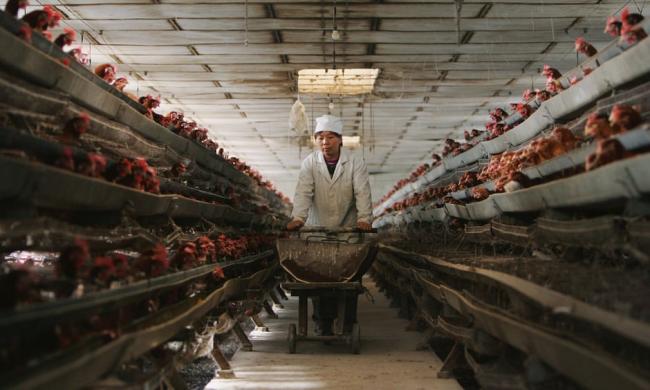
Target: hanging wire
245 22
334 40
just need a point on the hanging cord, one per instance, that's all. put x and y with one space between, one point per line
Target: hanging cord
245 22
363 125
323 28
459 7
333 40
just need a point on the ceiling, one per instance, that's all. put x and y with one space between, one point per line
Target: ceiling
429 88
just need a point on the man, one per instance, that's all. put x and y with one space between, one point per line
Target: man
333 189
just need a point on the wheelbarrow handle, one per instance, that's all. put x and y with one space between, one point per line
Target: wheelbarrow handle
322 229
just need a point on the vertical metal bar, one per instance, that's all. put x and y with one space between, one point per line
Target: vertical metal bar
302 315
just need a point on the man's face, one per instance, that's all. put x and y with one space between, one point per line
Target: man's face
328 142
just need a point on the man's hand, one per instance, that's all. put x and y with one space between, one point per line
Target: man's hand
365 226
295 224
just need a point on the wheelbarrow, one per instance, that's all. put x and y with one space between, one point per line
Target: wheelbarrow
327 264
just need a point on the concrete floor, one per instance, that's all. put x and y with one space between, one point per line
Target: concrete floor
388 358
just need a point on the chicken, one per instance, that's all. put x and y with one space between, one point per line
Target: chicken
151 183
19 284
598 126
613 26
568 140
584 47
121 83
153 262
554 86
218 273
66 160
106 72
41 20
205 250
178 169
607 151
542 95
119 172
498 115
13 6
102 271
94 165
631 29
528 95
54 16
25 33
185 257
524 110
66 38
210 145
76 126
200 134
624 117
516 181
79 56
73 260
551 73
122 269
38 20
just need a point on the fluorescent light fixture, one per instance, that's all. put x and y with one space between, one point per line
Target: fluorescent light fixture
351 141
337 81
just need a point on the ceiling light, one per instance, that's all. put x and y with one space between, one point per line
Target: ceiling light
336 35
351 141
337 81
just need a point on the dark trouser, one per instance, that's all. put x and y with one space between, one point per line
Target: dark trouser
326 310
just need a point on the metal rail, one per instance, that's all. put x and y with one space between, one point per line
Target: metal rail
25 320
597 369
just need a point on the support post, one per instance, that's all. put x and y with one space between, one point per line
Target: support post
453 360
259 324
269 309
302 315
241 335
224 371
281 293
275 299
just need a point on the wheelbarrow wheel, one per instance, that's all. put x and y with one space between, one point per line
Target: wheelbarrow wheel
292 338
356 338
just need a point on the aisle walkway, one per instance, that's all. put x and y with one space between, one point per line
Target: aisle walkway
388 358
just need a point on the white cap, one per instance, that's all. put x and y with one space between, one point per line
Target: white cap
329 123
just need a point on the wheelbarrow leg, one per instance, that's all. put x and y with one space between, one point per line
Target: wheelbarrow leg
302 314
241 335
339 325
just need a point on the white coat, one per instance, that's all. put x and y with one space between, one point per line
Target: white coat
338 201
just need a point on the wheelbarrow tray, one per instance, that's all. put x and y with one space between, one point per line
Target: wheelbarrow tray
325 262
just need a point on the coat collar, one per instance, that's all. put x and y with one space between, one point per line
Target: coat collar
340 166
